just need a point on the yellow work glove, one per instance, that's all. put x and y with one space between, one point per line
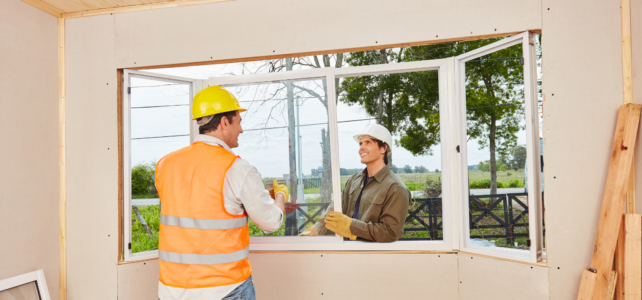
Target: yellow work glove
339 224
279 188
310 231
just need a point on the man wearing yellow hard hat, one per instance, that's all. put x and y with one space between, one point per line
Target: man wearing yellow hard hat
375 201
207 194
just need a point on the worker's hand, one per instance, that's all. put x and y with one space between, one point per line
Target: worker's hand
279 188
310 231
339 224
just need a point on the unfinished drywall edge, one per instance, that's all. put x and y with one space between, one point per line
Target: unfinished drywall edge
62 160
266 36
578 136
121 198
501 279
92 165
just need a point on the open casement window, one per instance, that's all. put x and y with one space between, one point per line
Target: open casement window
498 123
156 121
296 131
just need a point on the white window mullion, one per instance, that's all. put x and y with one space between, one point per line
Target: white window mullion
334 143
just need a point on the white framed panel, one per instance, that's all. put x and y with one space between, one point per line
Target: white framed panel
532 132
127 192
36 276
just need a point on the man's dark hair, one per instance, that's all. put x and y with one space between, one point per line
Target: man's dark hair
215 121
381 144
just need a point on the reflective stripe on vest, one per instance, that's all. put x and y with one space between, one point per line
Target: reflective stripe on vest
203 259
202 223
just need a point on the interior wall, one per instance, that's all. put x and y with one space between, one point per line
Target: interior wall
636 43
582 86
92 159
29 147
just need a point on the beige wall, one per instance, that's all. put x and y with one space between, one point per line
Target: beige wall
582 88
29 142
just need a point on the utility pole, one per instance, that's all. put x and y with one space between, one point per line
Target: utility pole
290 219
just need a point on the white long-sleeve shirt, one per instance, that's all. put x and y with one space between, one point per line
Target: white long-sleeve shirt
243 191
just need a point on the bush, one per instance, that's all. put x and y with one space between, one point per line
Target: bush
515 183
485 184
142 183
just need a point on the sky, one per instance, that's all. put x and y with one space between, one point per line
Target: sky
266 149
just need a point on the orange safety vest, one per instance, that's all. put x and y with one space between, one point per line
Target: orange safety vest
200 243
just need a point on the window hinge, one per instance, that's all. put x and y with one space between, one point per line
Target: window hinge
130 246
521 60
129 90
457 148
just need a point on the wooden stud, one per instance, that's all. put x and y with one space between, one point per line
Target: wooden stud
62 159
587 285
633 257
121 199
610 292
614 193
627 89
620 265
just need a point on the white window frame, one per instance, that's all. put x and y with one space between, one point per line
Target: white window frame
37 276
532 150
329 243
127 193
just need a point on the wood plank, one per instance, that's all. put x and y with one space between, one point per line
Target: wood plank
627 88
613 201
587 285
620 265
62 160
131 8
633 257
46 7
344 50
612 283
630 190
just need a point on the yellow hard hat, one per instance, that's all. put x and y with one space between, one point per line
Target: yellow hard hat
214 100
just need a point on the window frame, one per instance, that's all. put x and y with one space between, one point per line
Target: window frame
36 276
532 149
127 196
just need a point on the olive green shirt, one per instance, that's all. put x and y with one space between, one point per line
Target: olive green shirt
382 210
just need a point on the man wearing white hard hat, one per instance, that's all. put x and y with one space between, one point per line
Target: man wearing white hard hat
375 201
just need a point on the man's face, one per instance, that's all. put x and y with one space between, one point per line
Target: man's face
369 150
234 129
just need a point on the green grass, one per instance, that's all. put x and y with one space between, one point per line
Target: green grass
140 240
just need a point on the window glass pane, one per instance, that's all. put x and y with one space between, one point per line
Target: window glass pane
159 124
498 210
27 291
286 137
407 104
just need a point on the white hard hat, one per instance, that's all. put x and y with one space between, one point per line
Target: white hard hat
378 132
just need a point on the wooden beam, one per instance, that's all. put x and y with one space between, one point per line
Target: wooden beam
46 7
610 292
620 265
613 201
587 285
62 162
633 257
344 50
123 9
627 88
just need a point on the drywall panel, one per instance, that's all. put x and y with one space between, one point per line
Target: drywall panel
251 28
29 142
487 278
582 85
138 281
354 276
92 159
636 40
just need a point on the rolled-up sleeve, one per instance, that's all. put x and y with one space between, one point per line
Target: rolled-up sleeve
257 202
392 219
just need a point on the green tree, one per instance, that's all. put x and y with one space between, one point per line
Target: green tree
518 157
420 169
407 169
142 183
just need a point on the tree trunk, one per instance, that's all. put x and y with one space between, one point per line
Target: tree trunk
290 219
326 176
493 161
142 221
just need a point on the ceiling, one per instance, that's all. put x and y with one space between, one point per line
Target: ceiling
84 8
